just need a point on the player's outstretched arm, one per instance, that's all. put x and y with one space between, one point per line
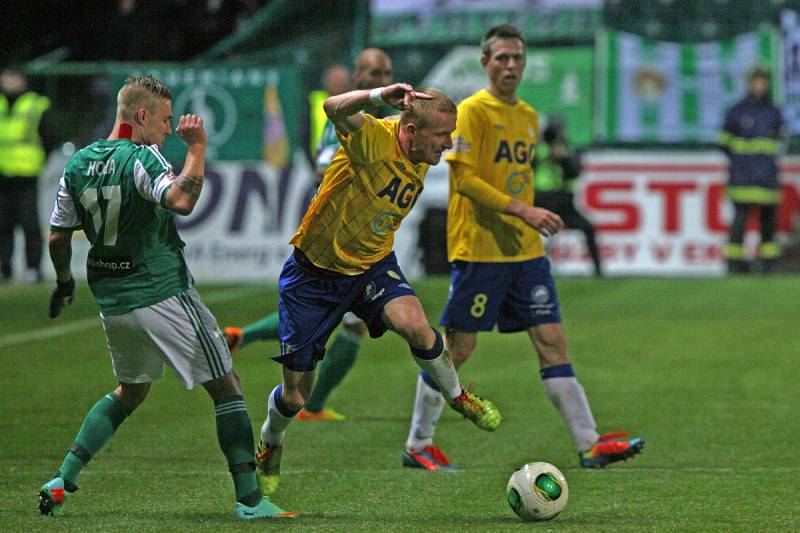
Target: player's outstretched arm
60 246
343 109
182 196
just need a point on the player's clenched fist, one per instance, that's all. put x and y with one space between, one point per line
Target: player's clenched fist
191 130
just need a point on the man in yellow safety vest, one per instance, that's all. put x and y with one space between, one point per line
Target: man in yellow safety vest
24 143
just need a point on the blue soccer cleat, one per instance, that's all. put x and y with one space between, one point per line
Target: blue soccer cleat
264 509
53 495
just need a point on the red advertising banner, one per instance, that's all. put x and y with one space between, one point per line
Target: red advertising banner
661 213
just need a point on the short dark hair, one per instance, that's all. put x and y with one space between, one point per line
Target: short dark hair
759 71
503 31
421 110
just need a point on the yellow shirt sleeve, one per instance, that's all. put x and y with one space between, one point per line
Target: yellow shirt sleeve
368 144
469 184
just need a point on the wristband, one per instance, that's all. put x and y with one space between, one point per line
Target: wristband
375 97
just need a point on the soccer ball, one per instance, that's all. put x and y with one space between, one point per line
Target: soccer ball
537 491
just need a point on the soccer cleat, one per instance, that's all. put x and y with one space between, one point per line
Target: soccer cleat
233 338
429 458
264 509
326 415
268 459
477 410
52 497
611 448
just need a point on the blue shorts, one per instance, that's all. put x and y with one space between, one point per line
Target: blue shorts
515 296
312 301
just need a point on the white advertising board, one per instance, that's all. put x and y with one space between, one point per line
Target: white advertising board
661 213
655 213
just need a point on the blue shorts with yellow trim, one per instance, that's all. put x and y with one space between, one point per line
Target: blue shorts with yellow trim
311 304
514 296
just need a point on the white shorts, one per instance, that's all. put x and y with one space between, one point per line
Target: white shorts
180 332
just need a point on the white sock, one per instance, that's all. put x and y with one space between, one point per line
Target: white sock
570 399
443 372
274 427
428 406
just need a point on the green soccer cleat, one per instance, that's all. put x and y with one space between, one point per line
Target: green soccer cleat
328 414
477 410
264 509
53 495
611 448
268 459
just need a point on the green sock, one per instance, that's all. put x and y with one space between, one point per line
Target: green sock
338 361
235 435
98 427
265 329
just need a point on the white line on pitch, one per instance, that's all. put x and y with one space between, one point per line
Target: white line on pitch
87 323
391 470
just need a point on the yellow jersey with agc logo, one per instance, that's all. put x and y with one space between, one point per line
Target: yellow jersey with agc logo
367 190
496 141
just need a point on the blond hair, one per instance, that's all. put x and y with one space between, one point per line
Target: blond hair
140 91
421 111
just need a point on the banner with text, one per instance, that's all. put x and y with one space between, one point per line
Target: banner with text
661 213
656 214
239 230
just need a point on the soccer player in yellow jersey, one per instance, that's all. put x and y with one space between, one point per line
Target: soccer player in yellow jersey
372 68
343 259
500 273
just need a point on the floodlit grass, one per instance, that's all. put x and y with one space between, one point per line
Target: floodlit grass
705 370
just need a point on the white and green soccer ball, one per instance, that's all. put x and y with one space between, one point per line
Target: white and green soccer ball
537 491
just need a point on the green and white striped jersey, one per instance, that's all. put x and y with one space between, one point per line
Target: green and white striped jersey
113 190
669 92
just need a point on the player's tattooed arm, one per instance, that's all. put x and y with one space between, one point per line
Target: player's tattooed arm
185 189
183 194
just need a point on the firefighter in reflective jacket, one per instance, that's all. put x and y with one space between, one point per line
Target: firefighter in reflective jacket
751 139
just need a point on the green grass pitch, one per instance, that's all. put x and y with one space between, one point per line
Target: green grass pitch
705 369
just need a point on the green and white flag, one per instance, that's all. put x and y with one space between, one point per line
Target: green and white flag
656 91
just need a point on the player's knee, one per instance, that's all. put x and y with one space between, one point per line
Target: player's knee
460 345
460 351
132 394
459 355
224 387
